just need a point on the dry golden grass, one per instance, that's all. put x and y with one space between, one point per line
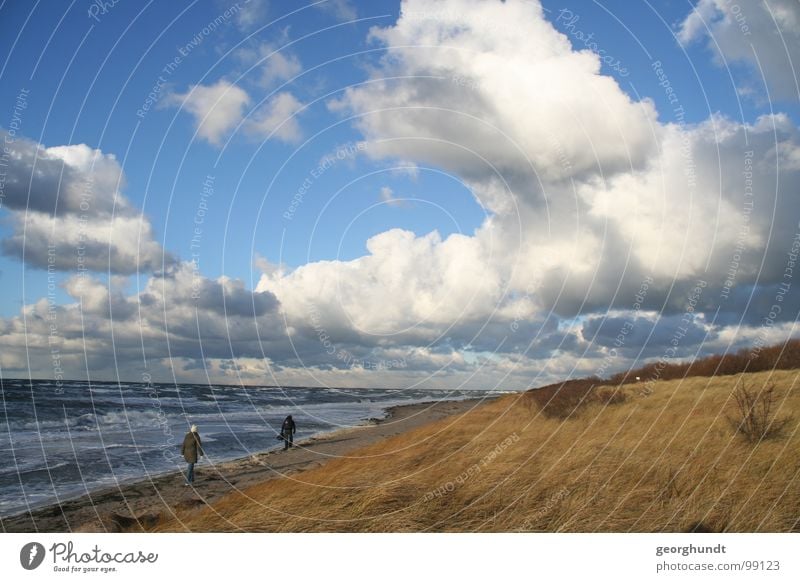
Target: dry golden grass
667 461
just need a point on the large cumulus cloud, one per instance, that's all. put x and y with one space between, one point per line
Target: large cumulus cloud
590 195
68 211
482 88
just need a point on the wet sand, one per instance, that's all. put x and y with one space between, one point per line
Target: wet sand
136 506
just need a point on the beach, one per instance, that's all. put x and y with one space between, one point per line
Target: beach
138 505
664 460
660 460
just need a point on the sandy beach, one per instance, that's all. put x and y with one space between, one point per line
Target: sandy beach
634 463
124 507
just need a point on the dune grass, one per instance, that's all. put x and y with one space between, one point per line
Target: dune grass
664 459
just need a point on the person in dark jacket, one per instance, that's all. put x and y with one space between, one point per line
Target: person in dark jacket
191 450
288 428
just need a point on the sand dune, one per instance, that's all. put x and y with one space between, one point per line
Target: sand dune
662 459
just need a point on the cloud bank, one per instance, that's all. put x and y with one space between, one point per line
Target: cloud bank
67 211
613 235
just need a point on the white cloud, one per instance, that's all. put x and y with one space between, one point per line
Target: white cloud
461 102
118 244
387 194
763 35
280 67
588 197
252 13
341 9
68 211
275 63
697 21
62 179
216 108
277 118
407 285
578 175
388 197
179 313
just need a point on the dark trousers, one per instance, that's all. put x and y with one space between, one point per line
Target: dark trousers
288 440
190 473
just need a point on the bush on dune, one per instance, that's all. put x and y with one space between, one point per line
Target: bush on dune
755 413
565 400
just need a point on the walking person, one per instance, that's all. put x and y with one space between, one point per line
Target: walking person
288 428
191 450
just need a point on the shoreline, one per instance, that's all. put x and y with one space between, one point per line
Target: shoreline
138 504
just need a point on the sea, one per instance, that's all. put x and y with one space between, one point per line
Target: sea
62 440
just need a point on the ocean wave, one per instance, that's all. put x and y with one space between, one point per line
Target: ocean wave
31 469
230 421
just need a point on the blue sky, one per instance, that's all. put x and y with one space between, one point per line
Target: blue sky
402 246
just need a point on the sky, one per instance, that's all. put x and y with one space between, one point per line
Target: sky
428 193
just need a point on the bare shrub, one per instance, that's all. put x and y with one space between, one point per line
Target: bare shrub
566 399
755 417
610 396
